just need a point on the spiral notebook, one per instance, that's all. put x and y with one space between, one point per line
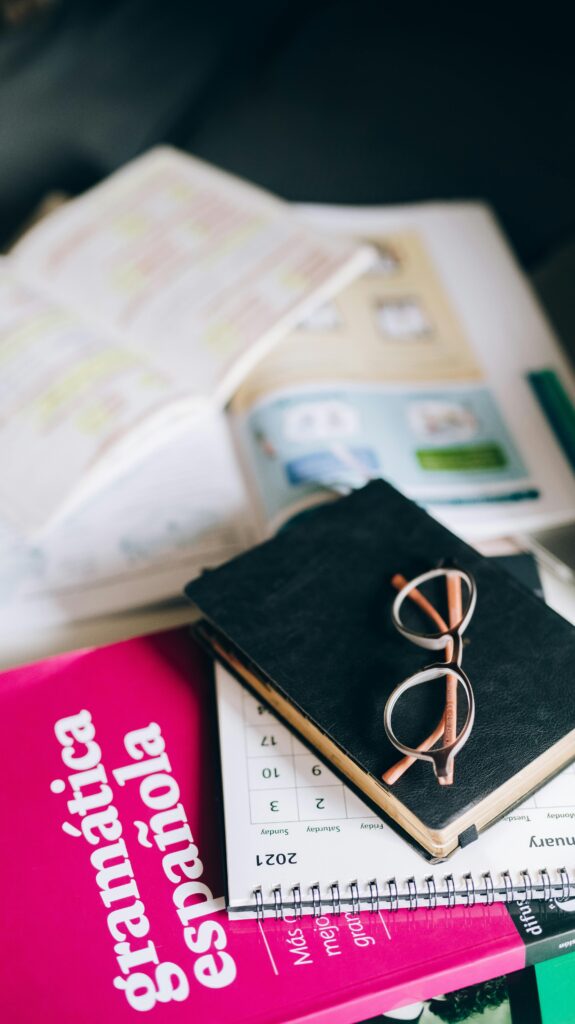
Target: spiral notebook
298 841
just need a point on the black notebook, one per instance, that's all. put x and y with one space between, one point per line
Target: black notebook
305 621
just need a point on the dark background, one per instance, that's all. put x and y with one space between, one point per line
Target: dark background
346 101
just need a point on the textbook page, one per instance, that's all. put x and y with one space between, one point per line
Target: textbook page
436 370
137 542
195 270
307 840
68 395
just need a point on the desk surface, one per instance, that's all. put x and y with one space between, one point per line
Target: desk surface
22 646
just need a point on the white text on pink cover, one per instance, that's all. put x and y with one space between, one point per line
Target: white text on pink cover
144 979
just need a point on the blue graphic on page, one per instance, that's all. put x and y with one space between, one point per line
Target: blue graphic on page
326 466
421 440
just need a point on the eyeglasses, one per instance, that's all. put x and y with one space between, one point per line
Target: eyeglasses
449 638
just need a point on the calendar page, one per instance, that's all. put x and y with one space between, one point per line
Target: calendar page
300 841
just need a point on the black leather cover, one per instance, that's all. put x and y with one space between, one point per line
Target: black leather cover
311 609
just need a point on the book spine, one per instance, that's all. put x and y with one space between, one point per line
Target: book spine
547 929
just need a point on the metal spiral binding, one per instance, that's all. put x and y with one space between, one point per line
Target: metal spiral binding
547 887
297 903
393 894
278 902
259 904
561 890
374 896
565 885
508 882
489 889
469 890
528 885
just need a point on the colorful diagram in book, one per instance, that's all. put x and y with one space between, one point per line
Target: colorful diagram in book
388 380
427 442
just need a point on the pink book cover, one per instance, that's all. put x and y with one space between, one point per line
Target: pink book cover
112 898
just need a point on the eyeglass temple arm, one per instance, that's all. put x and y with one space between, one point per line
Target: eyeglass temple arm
398 581
455 612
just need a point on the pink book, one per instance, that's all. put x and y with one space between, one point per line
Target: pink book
112 870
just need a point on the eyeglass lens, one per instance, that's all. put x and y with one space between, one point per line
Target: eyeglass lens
425 611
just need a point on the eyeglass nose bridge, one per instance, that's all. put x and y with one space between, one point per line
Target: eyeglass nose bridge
442 757
441 642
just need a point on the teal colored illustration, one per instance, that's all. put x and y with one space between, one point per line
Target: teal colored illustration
440 446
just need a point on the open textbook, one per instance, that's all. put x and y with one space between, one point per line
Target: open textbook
131 309
436 370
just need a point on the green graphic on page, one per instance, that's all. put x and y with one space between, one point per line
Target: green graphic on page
463 458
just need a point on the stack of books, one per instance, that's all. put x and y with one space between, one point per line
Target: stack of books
113 853
191 367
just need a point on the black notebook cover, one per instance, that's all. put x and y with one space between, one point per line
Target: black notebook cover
310 610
